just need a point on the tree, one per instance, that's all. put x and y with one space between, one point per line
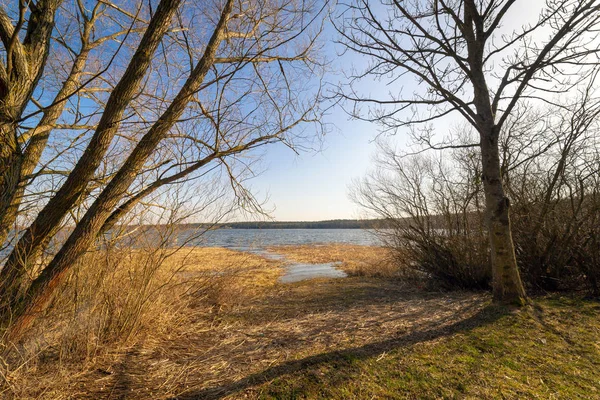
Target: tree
151 102
434 202
466 66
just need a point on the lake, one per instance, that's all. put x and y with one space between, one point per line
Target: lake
261 238
255 239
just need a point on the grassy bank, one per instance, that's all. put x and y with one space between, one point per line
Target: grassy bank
217 324
551 351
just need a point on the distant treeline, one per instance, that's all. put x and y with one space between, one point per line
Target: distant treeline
331 224
435 221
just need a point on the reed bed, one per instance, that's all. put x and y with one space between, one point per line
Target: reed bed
212 323
369 261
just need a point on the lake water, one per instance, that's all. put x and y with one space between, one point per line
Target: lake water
261 238
296 272
257 241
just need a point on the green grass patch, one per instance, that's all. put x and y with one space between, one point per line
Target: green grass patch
548 351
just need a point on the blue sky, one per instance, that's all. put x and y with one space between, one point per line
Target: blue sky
314 185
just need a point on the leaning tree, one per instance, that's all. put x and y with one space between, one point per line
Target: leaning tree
466 63
103 103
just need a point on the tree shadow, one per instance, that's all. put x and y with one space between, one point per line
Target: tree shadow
484 316
332 296
123 378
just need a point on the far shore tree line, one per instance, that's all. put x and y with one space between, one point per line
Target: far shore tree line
327 224
106 107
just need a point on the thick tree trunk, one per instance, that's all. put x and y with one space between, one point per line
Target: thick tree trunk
507 285
23 72
85 233
23 166
67 196
12 104
10 167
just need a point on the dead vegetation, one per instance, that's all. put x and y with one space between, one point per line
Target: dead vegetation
120 300
370 261
215 324
141 323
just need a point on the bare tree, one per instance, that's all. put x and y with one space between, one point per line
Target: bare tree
189 96
465 65
25 58
434 203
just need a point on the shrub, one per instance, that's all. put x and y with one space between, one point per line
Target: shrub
435 205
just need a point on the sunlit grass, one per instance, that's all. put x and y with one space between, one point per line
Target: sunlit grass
356 260
218 324
550 351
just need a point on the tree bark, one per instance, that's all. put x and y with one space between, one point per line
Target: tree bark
67 196
10 167
507 285
85 233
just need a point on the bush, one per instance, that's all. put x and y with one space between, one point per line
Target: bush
551 171
452 262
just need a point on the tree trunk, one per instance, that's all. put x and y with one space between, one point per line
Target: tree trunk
85 233
17 83
10 168
507 285
24 165
67 196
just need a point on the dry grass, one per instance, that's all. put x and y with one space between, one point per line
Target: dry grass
235 276
216 354
229 330
120 310
118 300
369 261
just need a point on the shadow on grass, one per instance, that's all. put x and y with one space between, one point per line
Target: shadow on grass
123 375
343 358
304 299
